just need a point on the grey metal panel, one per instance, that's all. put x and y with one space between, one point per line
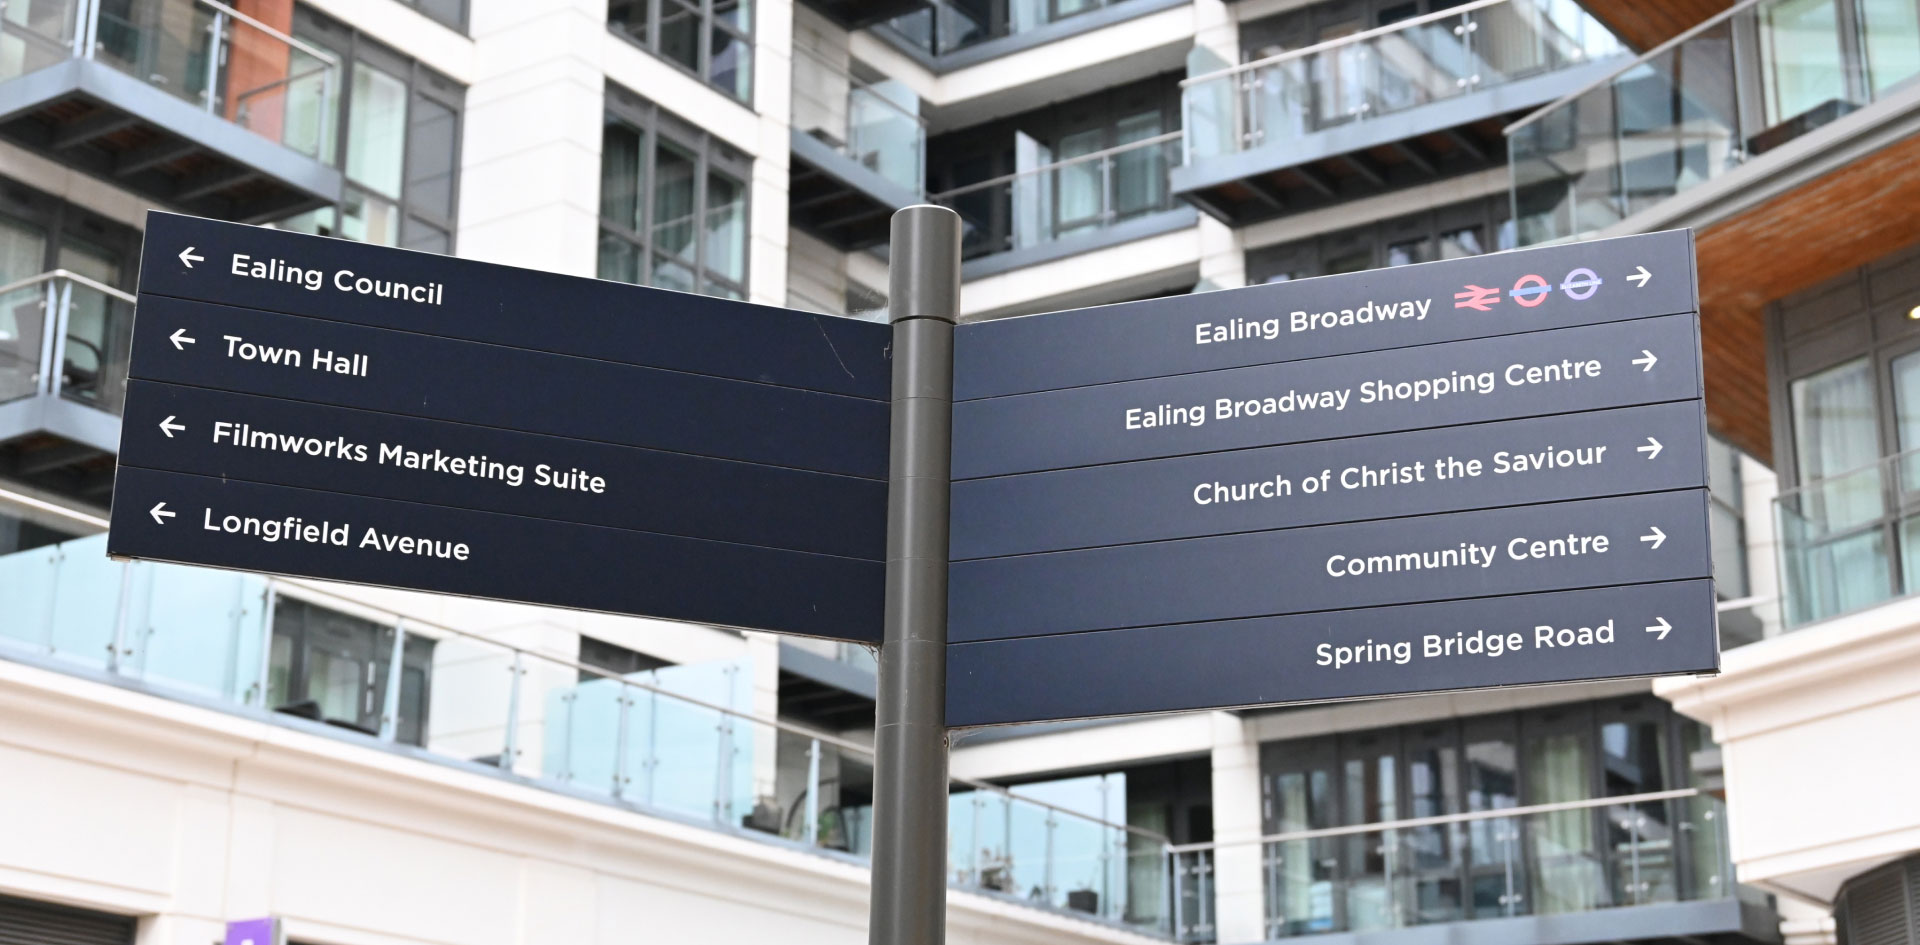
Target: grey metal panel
1389 128
827 670
49 413
818 154
1138 228
83 424
1008 45
126 93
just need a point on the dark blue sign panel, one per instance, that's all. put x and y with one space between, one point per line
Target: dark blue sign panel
1564 545
334 536
1515 462
1477 297
329 409
1549 372
1481 472
1642 630
448 297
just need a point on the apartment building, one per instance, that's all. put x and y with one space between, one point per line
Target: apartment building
180 748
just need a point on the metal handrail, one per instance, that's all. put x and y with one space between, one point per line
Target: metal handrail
855 80
1339 41
1414 822
68 274
305 47
1825 481
1077 159
305 591
1642 59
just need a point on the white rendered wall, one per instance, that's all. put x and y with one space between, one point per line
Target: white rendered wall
188 817
1816 734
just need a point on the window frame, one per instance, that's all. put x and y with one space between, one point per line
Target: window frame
711 156
354 47
702 70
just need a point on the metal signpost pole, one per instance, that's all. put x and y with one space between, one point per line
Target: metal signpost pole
910 767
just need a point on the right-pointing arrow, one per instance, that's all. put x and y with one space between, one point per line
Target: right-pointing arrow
1657 536
1640 276
1646 360
169 427
160 514
1660 628
1652 449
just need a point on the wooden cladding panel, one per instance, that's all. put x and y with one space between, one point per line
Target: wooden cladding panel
1643 24
1797 240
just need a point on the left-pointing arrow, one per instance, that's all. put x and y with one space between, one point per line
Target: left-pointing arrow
160 514
168 427
188 258
180 339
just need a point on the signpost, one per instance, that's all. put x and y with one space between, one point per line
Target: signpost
1483 472
323 408
1474 473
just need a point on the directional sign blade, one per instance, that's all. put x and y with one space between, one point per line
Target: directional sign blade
358 413
1343 654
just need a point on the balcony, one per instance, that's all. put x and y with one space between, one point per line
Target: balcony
1743 84
1641 867
677 742
1849 542
1076 205
1408 103
188 103
859 151
64 341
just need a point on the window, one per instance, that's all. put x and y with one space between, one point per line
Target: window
713 39
23 534
614 659
399 144
333 667
1548 862
1451 232
673 203
450 13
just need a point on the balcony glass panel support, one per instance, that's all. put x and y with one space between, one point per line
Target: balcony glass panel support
1750 79
65 335
1366 75
203 52
677 741
1663 847
1079 194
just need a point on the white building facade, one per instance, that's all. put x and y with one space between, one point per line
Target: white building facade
182 748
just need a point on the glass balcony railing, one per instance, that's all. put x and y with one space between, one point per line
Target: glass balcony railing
1849 541
63 334
1547 859
678 741
1079 195
943 27
874 124
201 51
1746 81
1419 61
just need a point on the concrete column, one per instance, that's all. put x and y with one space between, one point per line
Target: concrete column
1239 904
773 100
530 157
